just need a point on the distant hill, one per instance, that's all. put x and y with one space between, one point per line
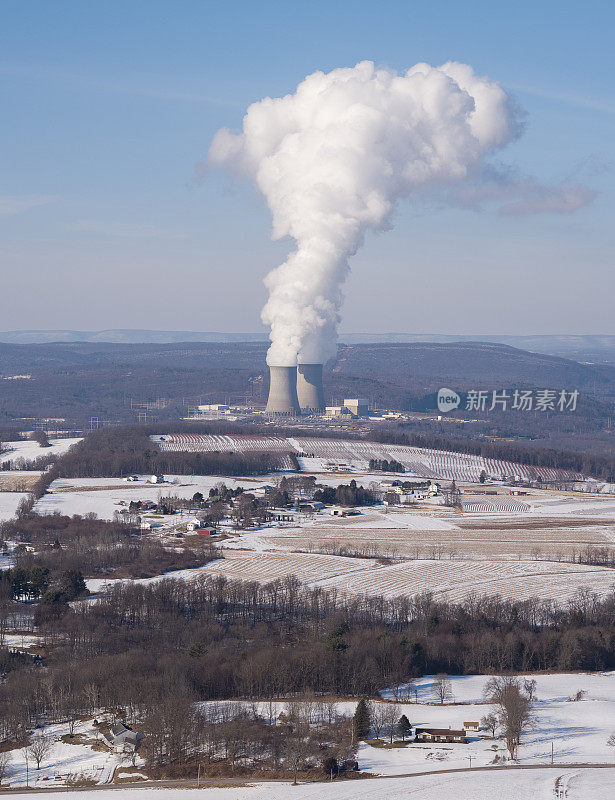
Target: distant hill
127 336
585 348
463 363
85 378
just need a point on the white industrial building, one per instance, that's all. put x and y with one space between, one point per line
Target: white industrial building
355 407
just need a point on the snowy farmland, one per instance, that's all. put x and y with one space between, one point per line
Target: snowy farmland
552 526
496 543
9 501
66 763
29 450
578 729
449 579
423 462
570 732
102 496
512 552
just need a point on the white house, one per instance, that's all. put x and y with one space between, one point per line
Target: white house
121 738
195 523
472 727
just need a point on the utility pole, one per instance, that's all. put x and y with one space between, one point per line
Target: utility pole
470 757
551 753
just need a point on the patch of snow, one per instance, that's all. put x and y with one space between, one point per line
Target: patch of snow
9 501
29 450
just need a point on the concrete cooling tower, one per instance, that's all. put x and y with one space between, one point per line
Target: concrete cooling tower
282 391
310 392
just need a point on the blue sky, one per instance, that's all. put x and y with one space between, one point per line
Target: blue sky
109 107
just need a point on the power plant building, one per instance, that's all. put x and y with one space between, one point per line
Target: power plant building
358 407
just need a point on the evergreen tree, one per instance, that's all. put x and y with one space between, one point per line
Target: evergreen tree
361 722
72 584
404 728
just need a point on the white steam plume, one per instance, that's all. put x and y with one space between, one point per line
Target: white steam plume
333 158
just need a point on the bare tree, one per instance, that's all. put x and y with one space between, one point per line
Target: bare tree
611 740
5 760
390 719
529 686
490 722
297 746
514 708
442 689
39 748
377 718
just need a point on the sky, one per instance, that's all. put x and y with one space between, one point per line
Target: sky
109 220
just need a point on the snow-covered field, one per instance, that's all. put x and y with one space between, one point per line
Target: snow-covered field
517 554
447 579
102 496
578 731
451 580
357 453
540 784
66 762
415 533
29 450
8 504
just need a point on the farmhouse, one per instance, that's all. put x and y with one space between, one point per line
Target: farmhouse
397 493
122 738
195 523
440 735
472 727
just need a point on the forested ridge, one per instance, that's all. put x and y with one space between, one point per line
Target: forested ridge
214 638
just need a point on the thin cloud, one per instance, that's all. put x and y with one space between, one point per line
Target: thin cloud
547 199
125 230
18 203
603 106
520 195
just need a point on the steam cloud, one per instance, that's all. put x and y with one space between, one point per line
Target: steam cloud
332 160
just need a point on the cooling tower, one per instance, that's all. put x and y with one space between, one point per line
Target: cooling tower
282 391
310 392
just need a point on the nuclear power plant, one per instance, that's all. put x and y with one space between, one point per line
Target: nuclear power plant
310 392
295 390
282 391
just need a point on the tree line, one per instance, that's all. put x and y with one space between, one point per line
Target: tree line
116 452
386 466
214 639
